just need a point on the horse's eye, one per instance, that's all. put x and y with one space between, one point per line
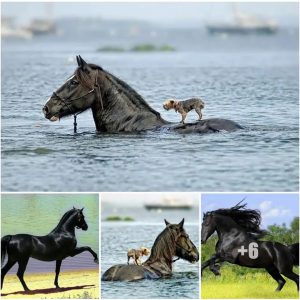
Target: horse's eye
74 82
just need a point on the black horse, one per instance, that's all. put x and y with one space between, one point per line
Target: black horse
57 245
116 106
172 241
238 230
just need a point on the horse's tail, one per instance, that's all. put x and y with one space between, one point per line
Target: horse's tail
294 250
4 243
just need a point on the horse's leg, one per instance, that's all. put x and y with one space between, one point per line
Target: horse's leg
293 276
82 249
57 270
128 259
5 269
21 270
208 262
214 267
276 275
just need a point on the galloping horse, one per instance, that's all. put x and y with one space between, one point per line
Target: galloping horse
238 243
57 245
116 106
172 241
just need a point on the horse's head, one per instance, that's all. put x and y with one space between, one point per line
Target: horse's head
76 95
208 226
79 220
185 248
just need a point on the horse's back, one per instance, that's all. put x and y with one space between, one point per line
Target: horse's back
206 126
127 273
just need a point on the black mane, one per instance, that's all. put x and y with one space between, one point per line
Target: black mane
135 97
249 219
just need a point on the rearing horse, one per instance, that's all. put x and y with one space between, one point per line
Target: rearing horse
57 245
238 243
172 241
116 106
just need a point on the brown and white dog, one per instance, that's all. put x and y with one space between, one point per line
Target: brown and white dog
185 106
136 254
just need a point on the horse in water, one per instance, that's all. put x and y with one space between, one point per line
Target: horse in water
238 230
172 241
57 245
116 106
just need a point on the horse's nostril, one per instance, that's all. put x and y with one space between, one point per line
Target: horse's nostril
45 109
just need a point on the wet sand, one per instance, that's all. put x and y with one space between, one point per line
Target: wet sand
80 284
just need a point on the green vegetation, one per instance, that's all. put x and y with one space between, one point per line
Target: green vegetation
118 218
250 285
110 49
152 48
242 282
138 48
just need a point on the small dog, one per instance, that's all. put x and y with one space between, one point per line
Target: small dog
185 106
136 254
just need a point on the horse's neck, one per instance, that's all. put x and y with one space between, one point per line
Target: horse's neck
161 257
122 111
226 225
65 225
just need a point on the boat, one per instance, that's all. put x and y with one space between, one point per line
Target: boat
41 26
169 204
244 24
10 31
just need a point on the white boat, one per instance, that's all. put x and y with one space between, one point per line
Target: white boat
169 203
9 30
244 24
41 26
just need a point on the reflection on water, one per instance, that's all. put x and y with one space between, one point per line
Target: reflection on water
117 238
39 214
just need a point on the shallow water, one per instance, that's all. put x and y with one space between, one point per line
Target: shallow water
39 214
118 237
257 88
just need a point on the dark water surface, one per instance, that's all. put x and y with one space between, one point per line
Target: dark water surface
256 88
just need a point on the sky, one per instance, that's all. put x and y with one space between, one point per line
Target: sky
139 199
275 208
173 14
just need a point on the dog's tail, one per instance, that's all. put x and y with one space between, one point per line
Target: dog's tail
294 250
4 244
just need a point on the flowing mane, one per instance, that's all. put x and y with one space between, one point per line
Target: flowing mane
249 219
164 246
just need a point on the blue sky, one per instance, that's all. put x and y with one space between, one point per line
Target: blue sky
176 14
275 208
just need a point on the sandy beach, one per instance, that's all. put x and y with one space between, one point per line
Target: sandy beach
81 284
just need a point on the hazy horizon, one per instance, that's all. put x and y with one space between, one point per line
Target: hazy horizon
170 14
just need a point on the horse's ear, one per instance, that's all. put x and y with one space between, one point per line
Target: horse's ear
83 64
82 209
74 207
78 61
166 222
181 223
